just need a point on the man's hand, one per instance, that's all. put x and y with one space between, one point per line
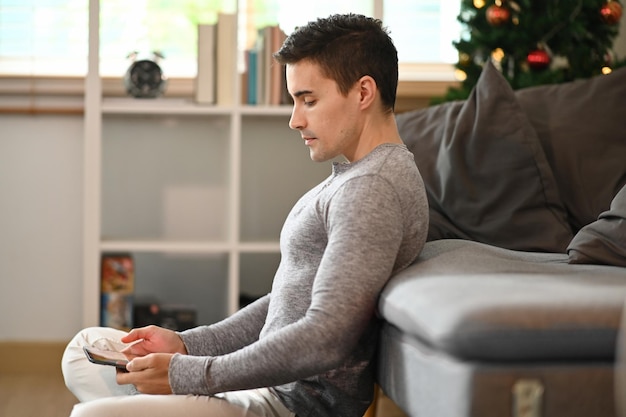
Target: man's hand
149 374
153 339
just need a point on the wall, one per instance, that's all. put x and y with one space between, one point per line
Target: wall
40 224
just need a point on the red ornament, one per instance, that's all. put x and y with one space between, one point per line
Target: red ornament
497 15
611 12
538 59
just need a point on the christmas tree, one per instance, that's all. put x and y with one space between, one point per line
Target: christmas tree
536 42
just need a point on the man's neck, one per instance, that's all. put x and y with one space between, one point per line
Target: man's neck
376 131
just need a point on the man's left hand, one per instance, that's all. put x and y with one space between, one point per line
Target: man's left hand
149 374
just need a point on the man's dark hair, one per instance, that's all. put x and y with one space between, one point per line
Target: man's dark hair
347 47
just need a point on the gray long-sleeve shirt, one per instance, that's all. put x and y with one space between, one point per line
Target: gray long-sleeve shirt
312 339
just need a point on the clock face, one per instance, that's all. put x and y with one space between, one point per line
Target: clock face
145 79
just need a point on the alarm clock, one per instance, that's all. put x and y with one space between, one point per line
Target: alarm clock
144 78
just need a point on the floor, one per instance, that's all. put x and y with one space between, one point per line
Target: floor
34 395
387 408
37 395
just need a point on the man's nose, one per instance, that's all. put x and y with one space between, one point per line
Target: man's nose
296 121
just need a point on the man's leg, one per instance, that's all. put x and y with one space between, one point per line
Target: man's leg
251 403
101 396
89 381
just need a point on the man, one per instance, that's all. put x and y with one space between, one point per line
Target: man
307 348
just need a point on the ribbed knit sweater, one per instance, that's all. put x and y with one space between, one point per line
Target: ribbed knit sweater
312 338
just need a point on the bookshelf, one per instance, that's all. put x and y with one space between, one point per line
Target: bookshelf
197 193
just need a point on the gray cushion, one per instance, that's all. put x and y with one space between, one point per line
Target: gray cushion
603 241
485 172
582 127
479 302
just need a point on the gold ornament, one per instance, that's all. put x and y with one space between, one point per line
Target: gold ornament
479 4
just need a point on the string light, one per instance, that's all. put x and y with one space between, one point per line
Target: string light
497 54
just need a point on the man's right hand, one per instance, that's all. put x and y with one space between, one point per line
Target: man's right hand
153 339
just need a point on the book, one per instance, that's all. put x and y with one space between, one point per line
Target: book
205 79
117 273
260 78
264 80
277 80
117 310
267 64
226 62
252 70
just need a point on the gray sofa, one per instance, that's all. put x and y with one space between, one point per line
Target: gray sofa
514 306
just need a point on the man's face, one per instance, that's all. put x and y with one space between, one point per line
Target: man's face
327 120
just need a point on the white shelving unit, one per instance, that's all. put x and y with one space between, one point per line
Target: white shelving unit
167 179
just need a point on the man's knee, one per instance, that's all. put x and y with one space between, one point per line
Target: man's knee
84 379
96 408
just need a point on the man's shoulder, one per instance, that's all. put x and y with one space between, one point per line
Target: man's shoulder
389 166
386 158
392 162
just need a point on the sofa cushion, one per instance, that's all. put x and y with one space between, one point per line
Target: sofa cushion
485 172
479 302
582 128
603 241
429 383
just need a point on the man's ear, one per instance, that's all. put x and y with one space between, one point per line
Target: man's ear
368 90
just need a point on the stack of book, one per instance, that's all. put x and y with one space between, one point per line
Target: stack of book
262 80
117 283
217 61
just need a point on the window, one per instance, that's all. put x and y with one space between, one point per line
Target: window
49 37
423 31
43 37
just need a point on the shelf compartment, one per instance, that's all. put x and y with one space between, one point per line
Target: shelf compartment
276 170
256 274
189 280
165 178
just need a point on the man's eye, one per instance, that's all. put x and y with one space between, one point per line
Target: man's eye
309 102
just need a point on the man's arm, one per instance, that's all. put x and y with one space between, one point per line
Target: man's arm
232 333
365 228
149 373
